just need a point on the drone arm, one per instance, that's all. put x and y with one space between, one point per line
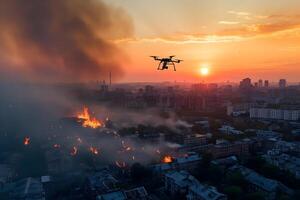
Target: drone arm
173 65
177 61
155 58
158 68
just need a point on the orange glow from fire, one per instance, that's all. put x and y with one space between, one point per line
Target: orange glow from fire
26 141
94 150
74 151
87 120
167 159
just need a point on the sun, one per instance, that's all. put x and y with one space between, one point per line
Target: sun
204 69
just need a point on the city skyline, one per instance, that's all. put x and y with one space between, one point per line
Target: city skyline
149 100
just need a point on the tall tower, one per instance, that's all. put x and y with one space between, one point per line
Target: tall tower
260 83
266 83
282 83
110 78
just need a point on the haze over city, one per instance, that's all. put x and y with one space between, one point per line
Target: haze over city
149 100
235 39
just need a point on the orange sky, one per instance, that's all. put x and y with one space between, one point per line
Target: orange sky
252 38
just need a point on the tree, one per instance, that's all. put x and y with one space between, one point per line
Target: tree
236 178
233 192
255 163
206 159
139 172
255 196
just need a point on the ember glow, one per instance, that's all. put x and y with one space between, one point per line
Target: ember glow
26 141
94 150
87 120
74 151
167 159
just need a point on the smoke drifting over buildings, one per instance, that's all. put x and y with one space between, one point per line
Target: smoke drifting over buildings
54 40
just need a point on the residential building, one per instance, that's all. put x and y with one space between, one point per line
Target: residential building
138 193
245 84
101 182
28 188
266 84
230 149
284 162
259 183
6 174
184 184
262 134
188 162
274 114
282 83
229 130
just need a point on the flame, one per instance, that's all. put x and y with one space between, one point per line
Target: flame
121 164
87 120
167 159
94 150
26 141
74 151
128 148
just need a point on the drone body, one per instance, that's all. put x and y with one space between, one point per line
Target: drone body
164 63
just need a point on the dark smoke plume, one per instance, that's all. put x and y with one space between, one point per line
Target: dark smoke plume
61 40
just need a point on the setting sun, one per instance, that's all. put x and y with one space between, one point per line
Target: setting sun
204 69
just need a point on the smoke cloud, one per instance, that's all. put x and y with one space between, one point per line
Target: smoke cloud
61 40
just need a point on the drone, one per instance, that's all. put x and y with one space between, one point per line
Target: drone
166 62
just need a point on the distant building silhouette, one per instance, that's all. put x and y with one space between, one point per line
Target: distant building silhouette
282 83
266 84
260 83
246 84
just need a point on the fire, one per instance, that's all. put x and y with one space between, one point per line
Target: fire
74 151
94 150
167 159
26 141
87 120
128 148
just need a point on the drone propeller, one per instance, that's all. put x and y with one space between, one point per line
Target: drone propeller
178 60
172 56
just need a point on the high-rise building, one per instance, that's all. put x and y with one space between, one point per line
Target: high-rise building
245 83
266 83
260 83
282 83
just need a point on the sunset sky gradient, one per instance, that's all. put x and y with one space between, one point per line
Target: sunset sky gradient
237 39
